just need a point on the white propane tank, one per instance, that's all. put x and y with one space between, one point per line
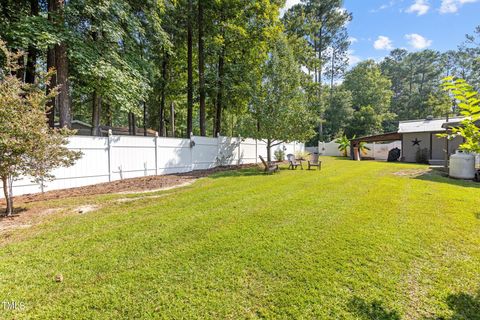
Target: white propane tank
462 166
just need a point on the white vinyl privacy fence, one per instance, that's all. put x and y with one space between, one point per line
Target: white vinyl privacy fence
113 158
378 151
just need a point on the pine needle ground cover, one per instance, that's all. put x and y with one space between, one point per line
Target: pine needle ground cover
357 240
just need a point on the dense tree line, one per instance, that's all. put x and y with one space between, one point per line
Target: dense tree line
177 66
216 67
374 96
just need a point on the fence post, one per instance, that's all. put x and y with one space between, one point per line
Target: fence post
239 151
218 151
191 151
156 153
256 151
109 138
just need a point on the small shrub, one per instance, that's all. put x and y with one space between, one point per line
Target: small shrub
422 156
279 155
303 155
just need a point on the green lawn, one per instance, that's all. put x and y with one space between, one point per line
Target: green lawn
354 241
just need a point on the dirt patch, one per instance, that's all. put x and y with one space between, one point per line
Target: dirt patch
412 172
25 219
86 209
184 184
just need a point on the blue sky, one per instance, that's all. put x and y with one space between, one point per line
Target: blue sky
381 25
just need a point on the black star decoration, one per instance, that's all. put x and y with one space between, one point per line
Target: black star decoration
416 142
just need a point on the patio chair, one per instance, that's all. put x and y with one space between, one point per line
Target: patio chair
269 168
315 161
293 164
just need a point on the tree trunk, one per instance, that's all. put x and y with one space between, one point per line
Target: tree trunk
96 114
134 124
61 63
332 75
108 113
219 107
201 68
269 150
51 64
144 119
161 111
172 119
320 57
190 69
32 51
8 197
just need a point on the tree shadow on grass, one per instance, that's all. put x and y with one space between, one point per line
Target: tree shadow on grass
253 171
17 211
371 311
238 173
441 177
464 306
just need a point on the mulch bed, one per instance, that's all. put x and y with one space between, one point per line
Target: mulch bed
126 185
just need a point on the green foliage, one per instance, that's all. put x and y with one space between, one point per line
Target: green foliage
344 144
339 112
279 154
369 87
371 97
278 108
362 147
303 155
27 146
422 156
366 121
468 101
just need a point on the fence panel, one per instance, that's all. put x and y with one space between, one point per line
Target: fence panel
121 157
204 153
132 157
173 155
248 151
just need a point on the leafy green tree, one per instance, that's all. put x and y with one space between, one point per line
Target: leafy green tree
278 109
339 113
371 97
369 87
27 145
366 121
322 24
468 101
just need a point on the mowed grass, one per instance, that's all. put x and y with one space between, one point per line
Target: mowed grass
354 241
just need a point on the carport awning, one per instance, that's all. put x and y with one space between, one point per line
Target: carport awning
391 136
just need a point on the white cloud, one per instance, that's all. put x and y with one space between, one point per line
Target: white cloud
288 5
420 7
352 58
383 43
452 6
353 40
417 41
384 6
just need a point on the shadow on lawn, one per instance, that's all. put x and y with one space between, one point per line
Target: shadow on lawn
238 173
440 177
373 310
464 305
254 171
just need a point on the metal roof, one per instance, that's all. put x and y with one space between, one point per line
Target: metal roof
390 136
425 125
